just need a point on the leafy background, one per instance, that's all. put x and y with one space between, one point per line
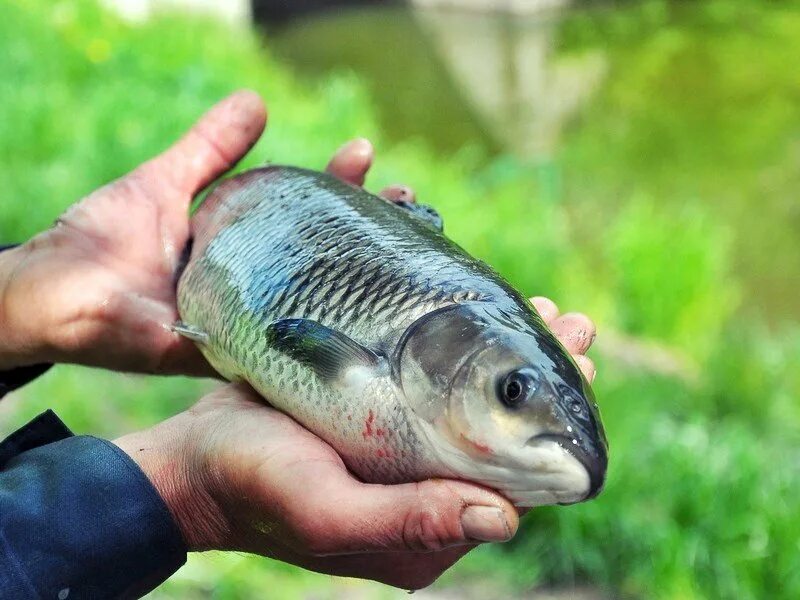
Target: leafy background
676 227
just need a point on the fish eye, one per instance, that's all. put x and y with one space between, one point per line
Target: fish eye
576 406
518 387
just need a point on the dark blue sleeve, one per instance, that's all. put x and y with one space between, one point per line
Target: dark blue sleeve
79 519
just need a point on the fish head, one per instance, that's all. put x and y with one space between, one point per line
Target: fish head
504 403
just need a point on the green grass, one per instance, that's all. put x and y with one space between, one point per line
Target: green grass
703 482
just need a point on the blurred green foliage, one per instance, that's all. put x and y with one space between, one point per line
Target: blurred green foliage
698 108
701 497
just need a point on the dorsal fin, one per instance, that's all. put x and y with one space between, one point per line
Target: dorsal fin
424 212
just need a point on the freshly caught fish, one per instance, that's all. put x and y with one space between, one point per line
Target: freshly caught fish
361 320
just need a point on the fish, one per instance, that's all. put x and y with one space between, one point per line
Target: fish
361 320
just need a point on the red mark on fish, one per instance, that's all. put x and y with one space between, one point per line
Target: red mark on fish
368 425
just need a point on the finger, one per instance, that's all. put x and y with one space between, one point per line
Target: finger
398 193
546 308
575 331
352 161
420 517
586 366
212 146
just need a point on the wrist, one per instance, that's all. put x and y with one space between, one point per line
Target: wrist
165 454
18 346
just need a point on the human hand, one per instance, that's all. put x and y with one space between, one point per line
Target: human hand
239 475
99 287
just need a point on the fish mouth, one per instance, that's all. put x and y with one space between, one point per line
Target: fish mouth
595 463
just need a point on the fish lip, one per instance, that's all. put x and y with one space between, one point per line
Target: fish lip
595 465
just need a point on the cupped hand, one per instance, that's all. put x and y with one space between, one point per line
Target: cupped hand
240 475
99 287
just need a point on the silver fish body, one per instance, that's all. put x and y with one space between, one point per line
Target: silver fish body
366 324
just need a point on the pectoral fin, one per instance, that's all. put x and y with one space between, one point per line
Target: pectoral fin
330 353
197 335
424 212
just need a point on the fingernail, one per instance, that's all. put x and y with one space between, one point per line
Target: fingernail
398 193
485 524
360 146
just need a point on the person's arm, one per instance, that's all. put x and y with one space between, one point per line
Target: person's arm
98 289
79 519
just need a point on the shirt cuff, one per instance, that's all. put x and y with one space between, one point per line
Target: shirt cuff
16 378
79 519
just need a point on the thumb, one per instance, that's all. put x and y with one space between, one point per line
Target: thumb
420 517
212 146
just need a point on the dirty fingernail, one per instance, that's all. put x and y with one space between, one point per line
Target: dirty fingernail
485 524
398 193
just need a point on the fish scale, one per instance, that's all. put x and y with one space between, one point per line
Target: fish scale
281 246
338 256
